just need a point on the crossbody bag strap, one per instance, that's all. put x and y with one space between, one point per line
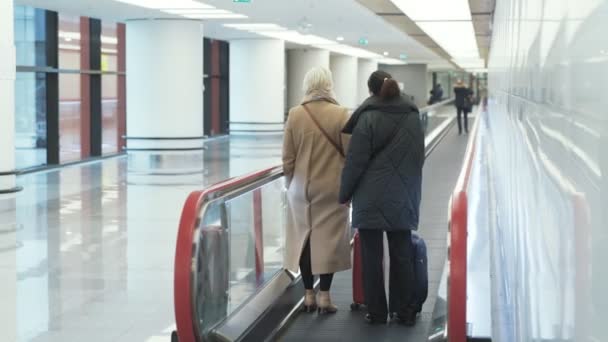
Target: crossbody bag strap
337 146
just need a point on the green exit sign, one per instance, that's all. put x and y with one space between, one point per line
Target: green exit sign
363 41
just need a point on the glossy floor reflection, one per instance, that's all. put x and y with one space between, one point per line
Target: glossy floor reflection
93 252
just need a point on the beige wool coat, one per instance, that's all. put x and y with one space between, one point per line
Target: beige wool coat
312 168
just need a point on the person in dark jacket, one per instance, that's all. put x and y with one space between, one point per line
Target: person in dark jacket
463 105
436 94
382 177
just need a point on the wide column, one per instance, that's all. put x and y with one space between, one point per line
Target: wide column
364 69
164 94
7 99
257 83
414 80
299 62
344 70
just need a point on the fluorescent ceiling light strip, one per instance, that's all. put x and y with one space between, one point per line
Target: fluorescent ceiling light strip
197 11
435 10
256 27
391 61
215 16
349 50
295 37
457 38
167 4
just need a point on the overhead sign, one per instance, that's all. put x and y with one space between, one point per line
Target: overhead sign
363 41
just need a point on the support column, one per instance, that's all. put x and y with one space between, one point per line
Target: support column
257 83
365 68
414 80
7 99
164 59
299 62
344 70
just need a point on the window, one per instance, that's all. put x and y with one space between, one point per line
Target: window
30 36
30 119
70 41
70 121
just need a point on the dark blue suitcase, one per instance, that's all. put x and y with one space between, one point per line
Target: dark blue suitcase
421 271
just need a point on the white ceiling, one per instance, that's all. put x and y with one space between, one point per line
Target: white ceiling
329 19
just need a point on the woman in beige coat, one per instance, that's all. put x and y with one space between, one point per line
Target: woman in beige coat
313 149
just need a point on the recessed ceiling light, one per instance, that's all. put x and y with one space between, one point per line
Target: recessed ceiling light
340 38
385 53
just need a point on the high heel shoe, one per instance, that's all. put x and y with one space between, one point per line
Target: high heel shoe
310 301
325 304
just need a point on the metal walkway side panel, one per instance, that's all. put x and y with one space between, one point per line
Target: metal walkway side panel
440 174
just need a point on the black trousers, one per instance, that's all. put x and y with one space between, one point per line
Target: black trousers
460 111
306 269
401 275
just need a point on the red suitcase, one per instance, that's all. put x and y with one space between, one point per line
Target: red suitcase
358 297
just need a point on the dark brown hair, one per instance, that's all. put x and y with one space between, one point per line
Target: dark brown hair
382 84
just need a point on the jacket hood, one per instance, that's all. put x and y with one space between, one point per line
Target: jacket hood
401 104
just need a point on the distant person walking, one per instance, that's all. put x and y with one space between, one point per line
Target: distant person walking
436 94
463 104
318 240
383 178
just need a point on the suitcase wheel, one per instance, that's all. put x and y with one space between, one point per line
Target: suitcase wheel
355 306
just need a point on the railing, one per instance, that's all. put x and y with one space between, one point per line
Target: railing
457 251
229 252
203 245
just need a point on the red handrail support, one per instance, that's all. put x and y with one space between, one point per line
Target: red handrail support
457 281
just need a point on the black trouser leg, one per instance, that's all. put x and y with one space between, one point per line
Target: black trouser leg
326 281
401 288
459 111
306 268
373 275
466 121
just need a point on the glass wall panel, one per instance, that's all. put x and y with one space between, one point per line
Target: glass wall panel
109 107
109 46
30 119
69 42
70 121
30 36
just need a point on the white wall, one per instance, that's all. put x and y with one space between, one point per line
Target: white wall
299 62
548 131
165 82
344 70
414 79
365 68
257 86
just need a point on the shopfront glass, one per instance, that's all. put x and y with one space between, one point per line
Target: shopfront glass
70 121
109 88
30 119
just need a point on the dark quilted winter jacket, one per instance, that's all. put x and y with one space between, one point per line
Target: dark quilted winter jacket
384 178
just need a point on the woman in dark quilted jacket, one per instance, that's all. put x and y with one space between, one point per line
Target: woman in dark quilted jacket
382 177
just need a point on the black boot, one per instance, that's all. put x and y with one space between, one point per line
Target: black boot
374 320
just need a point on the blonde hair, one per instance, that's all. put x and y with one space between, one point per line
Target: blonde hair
318 80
